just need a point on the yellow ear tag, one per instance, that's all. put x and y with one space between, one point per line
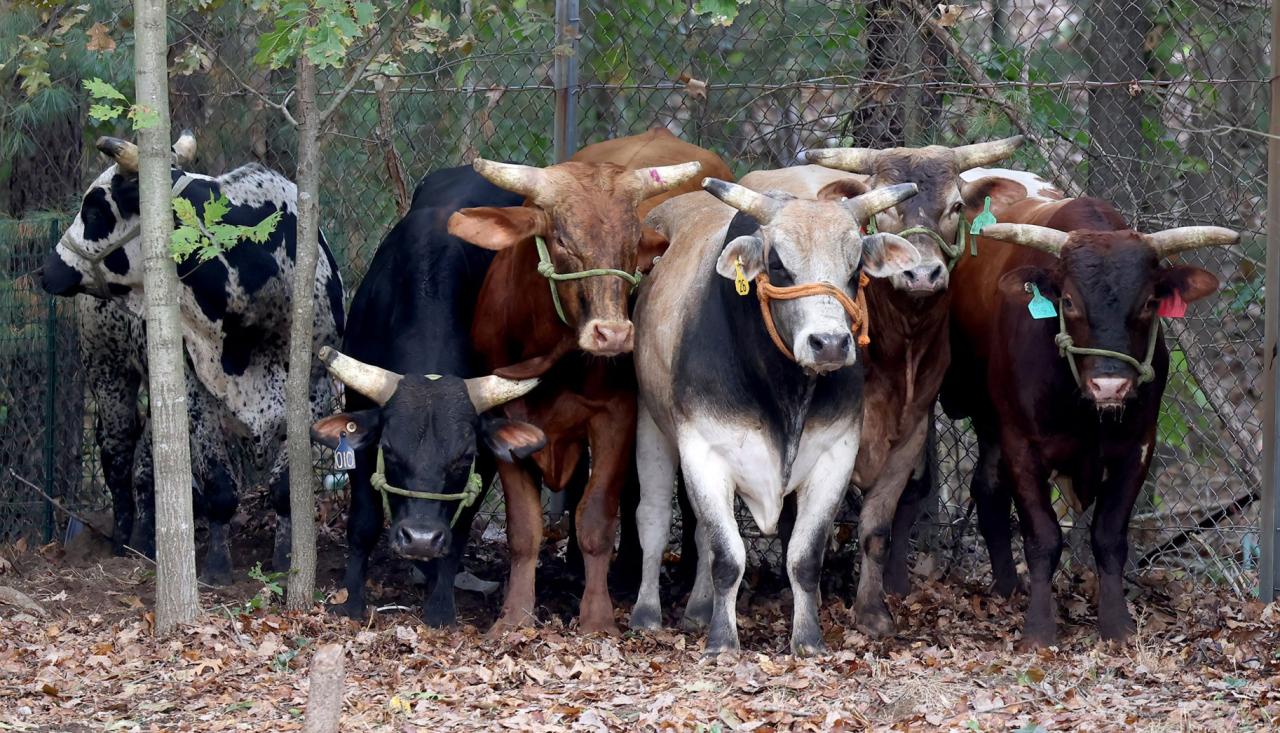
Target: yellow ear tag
740 278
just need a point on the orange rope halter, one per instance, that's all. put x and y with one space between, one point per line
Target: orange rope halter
857 309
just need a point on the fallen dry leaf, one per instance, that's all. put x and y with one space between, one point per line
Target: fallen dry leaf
99 38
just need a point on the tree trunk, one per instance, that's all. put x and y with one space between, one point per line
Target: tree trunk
302 571
177 601
324 700
1117 146
879 120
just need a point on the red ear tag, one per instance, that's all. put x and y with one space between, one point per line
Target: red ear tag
1172 306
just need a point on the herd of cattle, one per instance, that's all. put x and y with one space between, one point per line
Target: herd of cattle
634 318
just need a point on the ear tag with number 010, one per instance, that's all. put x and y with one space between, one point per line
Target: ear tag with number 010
740 278
1172 306
344 456
1040 306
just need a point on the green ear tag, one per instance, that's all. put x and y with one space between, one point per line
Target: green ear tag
983 219
1040 306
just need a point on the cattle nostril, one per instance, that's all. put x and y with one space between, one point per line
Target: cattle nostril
935 274
844 343
404 536
817 342
910 275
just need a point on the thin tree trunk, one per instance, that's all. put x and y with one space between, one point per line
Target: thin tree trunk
1117 146
177 601
302 571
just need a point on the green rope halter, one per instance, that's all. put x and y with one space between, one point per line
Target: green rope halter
465 499
953 250
1068 349
547 269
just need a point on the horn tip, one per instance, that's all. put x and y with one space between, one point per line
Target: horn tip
327 354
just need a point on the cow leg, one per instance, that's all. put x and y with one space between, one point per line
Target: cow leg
1110 532
697 610
524 538
817 503
897 573
874 524
117 427
612 442
283 545
711 488
1041 537
991 498
144 482
364 524
656 463
627 564
688 567
211 466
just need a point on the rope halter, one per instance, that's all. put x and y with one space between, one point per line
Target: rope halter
856 309
95 260
465 498
1068 349
547 269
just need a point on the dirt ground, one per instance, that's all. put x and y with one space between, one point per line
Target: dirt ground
1203 660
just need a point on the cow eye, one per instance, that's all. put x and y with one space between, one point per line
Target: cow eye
1152 303
1068 305
957 207
777 271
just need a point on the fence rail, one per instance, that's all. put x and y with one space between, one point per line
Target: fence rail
1157 107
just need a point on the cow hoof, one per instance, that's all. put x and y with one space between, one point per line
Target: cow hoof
1117 630
897 585
875 620
696 616
1033 639
646 618
348 609
811 647
219 575
599 626
505 624
1006 588
439 619
714 649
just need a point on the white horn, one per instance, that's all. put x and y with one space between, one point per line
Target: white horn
982 154
1029 235
759 206
653 181
374 382
873 202
488 392
123 152
525 180
1172 241
853 160
184 150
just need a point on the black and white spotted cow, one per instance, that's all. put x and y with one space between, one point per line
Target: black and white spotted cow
235 307
113 343
739 411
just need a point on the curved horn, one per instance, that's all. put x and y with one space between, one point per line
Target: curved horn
653 181
123 152
1028 235
1172 241
525 180
759 206
488 392
374 382
873 202
184 150
853 160
980 154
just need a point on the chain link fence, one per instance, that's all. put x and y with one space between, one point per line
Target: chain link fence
1153 106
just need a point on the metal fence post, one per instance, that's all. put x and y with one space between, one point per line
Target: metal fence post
1269 568
565 73
51 388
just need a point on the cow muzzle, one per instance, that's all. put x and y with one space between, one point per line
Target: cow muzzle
926 279
826 351
1108 392
607 337
415 538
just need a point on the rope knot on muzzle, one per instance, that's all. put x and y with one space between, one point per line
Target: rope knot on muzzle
856 309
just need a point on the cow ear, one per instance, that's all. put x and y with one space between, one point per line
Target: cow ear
497 228
885 255
361 427
511 439
1013 285
845 188
748 249
1001 190
1192 283
652 246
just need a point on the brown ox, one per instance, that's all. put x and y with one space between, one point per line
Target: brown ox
910 348
1040 406
588 211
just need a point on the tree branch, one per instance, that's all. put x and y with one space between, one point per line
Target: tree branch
279 106
358 73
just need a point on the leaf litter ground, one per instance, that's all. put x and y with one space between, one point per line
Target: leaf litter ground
1202 660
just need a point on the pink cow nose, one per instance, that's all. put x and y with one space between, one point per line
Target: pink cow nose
1109 389
610 337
